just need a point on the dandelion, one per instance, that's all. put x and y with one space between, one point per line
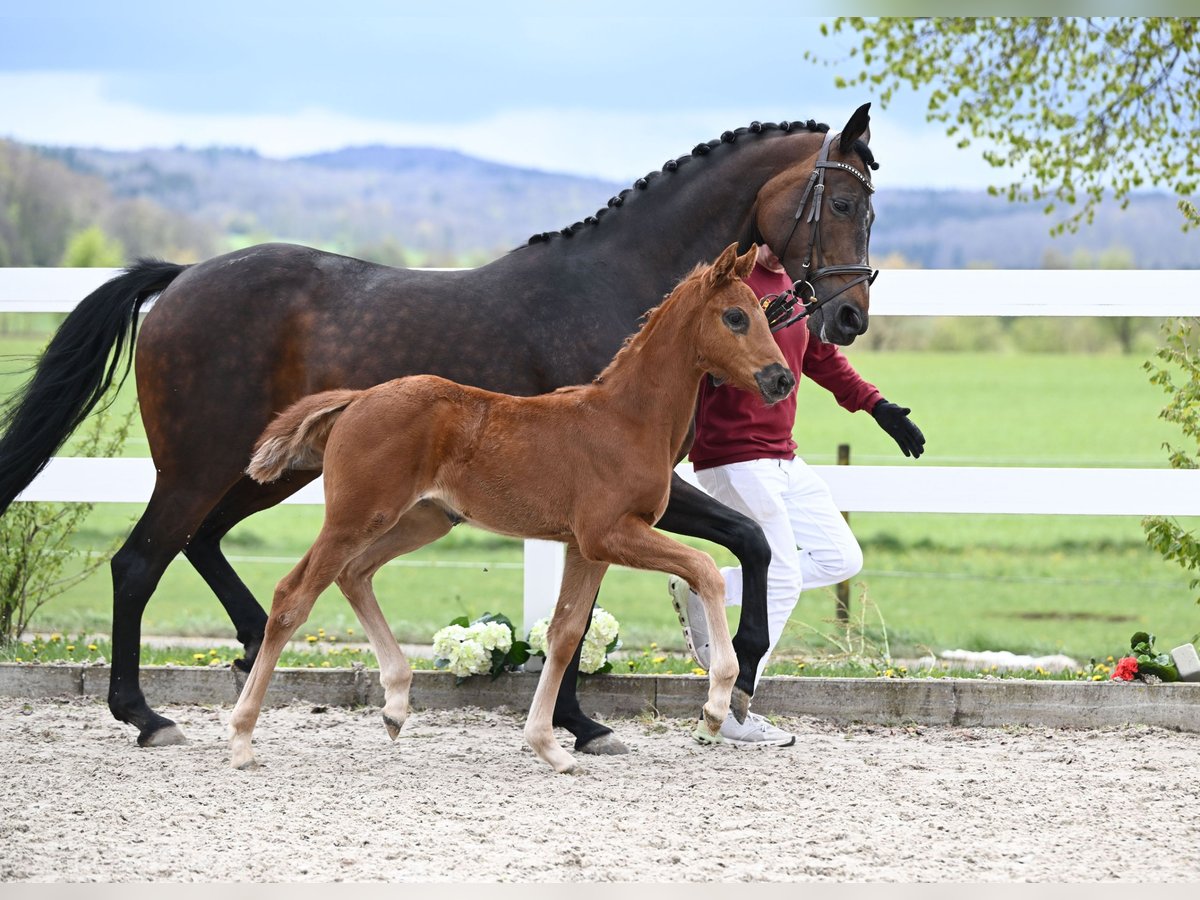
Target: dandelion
56 637
321 632
326 664
70 648
212 652
18 659
214 662
659 659
350 631
653 645
699 671
198 657
92 647
312 638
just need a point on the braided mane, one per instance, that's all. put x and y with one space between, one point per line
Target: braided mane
702 149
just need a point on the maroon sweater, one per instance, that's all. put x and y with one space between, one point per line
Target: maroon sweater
734 426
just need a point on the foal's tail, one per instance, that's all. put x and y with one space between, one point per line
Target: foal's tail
74 372
296 438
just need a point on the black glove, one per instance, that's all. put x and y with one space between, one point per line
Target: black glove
895 421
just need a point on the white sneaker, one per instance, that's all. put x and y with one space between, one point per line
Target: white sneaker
755 732
691 616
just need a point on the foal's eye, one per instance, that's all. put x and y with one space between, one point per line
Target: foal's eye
737 320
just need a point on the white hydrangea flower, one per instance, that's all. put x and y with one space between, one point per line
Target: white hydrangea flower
592 657
447 640
537 636
604 627
492 635
469 658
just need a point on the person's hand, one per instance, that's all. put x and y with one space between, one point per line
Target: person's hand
895 421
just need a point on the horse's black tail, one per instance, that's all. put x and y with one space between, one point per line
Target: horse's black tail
74 372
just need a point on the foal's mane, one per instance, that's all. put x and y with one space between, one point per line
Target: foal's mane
759 129
688 285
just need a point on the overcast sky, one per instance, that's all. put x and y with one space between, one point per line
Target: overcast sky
612 96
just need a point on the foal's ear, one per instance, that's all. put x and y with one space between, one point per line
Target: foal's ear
724 265
857 127
745 263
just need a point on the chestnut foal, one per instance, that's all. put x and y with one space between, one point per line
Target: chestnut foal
590 466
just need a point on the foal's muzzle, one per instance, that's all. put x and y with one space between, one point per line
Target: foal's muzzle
775 382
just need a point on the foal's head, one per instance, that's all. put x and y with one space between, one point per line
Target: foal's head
733 339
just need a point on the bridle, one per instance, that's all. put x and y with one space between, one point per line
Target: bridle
784 303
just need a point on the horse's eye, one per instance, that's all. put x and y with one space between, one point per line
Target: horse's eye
736 320
841 206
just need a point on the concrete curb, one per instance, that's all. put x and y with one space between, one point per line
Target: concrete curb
927 701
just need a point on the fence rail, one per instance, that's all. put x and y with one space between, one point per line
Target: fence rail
919 488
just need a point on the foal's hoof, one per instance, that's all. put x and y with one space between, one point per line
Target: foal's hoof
167 736
248 765
702 734
739 705
603 745
393 727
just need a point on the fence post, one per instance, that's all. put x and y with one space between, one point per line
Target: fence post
843 588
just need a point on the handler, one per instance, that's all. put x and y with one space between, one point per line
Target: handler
744 456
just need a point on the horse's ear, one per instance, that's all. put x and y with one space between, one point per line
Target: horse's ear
723 267
858 127
745 263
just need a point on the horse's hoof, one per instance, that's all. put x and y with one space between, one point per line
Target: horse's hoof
243 665
739 705
607 744
167 736
703 736
393 727
248 765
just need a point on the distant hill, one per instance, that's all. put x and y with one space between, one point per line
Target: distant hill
434 206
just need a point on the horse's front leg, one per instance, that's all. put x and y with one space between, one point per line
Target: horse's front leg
590 736
581 580
695 514
631 542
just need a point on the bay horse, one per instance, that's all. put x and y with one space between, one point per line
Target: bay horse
234 340
590 466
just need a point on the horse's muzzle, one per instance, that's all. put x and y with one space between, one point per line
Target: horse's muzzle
775 382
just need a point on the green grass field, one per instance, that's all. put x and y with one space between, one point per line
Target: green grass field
1038 584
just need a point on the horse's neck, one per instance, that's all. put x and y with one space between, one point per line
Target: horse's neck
655 379
679 219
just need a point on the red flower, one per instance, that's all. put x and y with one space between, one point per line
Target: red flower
1126 669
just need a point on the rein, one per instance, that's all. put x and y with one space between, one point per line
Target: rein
780 307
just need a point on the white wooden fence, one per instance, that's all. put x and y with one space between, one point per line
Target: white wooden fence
914 488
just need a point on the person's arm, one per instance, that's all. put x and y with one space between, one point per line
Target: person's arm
828 366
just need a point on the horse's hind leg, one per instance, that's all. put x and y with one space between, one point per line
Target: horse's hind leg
423 524
162 531
294 597
581 580
244 499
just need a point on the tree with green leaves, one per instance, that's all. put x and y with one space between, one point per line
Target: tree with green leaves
1177 371
1075 107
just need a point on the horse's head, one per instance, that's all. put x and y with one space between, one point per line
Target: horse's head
733 339
817 218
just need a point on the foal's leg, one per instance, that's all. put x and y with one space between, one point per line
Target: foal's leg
294 599
696 514
633 543
421 525
581 579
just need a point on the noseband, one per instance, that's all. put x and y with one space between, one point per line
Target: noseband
816 190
